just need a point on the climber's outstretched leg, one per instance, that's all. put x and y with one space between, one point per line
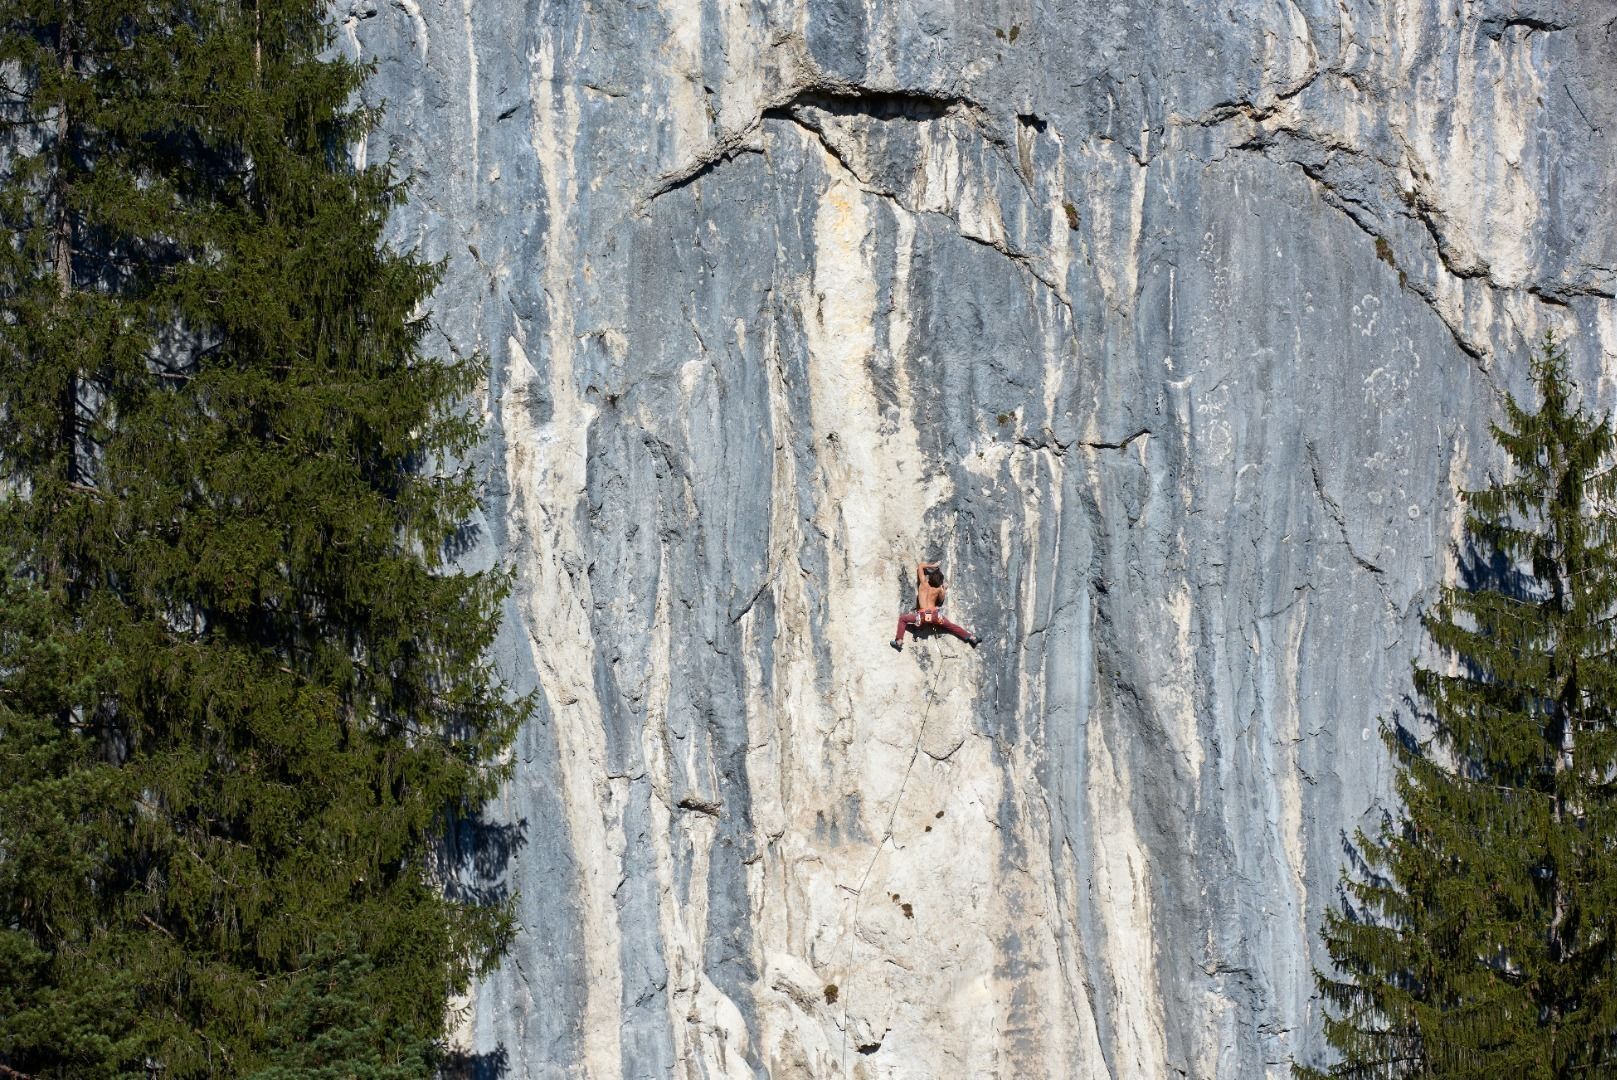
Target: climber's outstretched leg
932 617
905 622
956 629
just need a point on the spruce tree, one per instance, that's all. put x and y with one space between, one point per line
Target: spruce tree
324 1028
1480 941
242 689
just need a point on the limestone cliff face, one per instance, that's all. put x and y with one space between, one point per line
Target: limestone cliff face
1171 328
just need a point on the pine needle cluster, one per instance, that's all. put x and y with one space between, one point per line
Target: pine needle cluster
242 688
1480 943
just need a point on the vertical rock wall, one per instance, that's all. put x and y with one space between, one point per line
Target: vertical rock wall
1171 328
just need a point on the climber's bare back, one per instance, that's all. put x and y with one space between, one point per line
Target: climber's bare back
927 596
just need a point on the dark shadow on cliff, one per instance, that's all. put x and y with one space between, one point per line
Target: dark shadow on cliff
1477 569
476 855
474 862
875 104
491 1065
466 537
1491 571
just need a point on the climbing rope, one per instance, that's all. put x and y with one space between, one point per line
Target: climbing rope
859 894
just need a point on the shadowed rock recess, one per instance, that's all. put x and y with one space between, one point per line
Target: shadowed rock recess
1171 328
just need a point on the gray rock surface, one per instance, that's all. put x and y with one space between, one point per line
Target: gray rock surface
1171 328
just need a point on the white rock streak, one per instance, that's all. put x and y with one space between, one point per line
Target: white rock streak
546 467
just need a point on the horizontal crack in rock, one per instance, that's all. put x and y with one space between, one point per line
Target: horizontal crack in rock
699 805
917 106
1497 26
1048 441
820 92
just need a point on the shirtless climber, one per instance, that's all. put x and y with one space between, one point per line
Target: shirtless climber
929 595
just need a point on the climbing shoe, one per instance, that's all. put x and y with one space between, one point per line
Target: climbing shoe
898 646
974 641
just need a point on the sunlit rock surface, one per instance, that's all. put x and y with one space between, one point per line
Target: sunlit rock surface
1171 328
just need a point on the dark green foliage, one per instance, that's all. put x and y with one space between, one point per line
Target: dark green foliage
240 690
324 1028
1480 943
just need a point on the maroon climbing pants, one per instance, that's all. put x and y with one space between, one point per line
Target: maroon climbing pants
930 617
